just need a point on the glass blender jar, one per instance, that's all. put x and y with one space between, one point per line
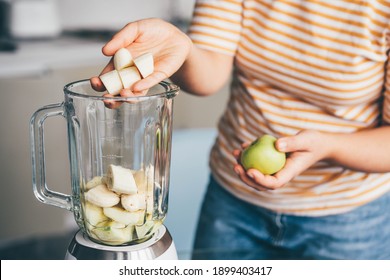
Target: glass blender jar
119 151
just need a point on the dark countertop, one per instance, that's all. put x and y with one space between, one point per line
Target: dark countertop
51 247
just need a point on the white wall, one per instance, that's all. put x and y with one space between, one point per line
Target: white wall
114 14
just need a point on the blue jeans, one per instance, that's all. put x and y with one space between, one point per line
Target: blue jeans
229 228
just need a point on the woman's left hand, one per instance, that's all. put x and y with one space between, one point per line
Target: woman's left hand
304 149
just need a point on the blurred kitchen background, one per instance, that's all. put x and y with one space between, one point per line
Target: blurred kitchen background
45 44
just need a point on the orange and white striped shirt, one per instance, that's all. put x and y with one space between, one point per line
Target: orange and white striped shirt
307 64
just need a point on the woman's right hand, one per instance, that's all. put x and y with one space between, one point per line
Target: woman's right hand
170 48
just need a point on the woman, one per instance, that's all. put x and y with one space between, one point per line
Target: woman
313 74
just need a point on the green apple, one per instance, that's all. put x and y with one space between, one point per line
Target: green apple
262 155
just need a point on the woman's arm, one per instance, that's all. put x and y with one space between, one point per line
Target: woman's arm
204 72
366 150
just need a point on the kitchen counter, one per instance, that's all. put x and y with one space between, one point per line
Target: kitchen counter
37 57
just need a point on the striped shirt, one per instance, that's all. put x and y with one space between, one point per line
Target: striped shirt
300 65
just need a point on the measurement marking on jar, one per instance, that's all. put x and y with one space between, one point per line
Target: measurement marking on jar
111 156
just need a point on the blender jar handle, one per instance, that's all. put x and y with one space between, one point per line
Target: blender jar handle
41 191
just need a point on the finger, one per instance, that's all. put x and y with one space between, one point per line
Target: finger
150 81
267 181
127 35
126 93
237 154
247 180
129 93
291 144
245 145
277 180
109 67
96 83
109 103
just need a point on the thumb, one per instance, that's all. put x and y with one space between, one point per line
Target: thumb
121 39
291 144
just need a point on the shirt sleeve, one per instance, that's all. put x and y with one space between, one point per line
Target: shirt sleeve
216 25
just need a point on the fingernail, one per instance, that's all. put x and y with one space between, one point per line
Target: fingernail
236 170
281 145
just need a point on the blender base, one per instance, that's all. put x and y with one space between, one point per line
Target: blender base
160 246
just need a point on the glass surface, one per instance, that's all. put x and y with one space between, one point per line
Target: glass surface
119 161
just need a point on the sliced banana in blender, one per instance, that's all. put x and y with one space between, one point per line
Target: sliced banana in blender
133 202
120 215
110 223
101 196
140 179
121 180
113 233
95 181
144 179
149 203
145 229
94 214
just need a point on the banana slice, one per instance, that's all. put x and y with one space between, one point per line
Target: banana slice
149 203
129 76
133 202
144 64
94 214
123 59
121 180
145 183
113 224
112 82
95 181
113 233
141 180
144 179
122 216
145 229
101 196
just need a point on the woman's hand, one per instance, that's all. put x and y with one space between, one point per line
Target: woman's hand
170 48
304 149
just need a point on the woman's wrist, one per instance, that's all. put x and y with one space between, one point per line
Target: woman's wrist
330 144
